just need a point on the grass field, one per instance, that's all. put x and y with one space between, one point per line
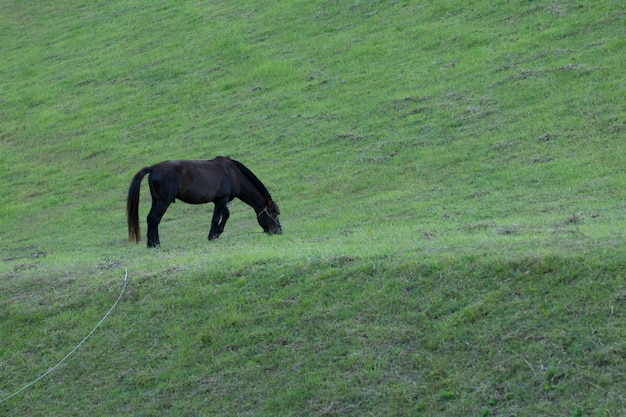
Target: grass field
451 177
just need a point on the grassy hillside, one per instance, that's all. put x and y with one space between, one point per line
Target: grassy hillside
451 176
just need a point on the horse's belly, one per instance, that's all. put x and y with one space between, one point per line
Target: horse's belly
193 198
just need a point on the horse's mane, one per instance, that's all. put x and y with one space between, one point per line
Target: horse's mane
253 178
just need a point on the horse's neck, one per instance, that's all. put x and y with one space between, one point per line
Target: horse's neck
250 195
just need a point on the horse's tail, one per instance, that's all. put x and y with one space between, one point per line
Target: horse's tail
132 205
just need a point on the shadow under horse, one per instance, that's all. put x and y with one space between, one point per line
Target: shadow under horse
219 181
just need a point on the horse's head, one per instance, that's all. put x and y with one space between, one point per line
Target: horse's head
268 219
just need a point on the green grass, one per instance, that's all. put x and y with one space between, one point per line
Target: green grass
451 176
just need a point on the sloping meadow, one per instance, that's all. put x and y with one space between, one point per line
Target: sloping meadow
451 181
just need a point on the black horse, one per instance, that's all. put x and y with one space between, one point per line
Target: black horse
197 182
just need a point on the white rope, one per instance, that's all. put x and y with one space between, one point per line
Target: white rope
77 346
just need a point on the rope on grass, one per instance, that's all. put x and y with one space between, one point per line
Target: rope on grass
222 237
25 387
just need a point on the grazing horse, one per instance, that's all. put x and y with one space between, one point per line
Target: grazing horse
197 182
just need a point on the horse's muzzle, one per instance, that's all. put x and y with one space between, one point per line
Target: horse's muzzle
277 231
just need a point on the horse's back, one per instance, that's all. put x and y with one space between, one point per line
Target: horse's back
196 181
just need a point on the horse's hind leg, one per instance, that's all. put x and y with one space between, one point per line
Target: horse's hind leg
220 216
154 218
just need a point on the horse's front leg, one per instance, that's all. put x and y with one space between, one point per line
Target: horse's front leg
220 216
225 216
